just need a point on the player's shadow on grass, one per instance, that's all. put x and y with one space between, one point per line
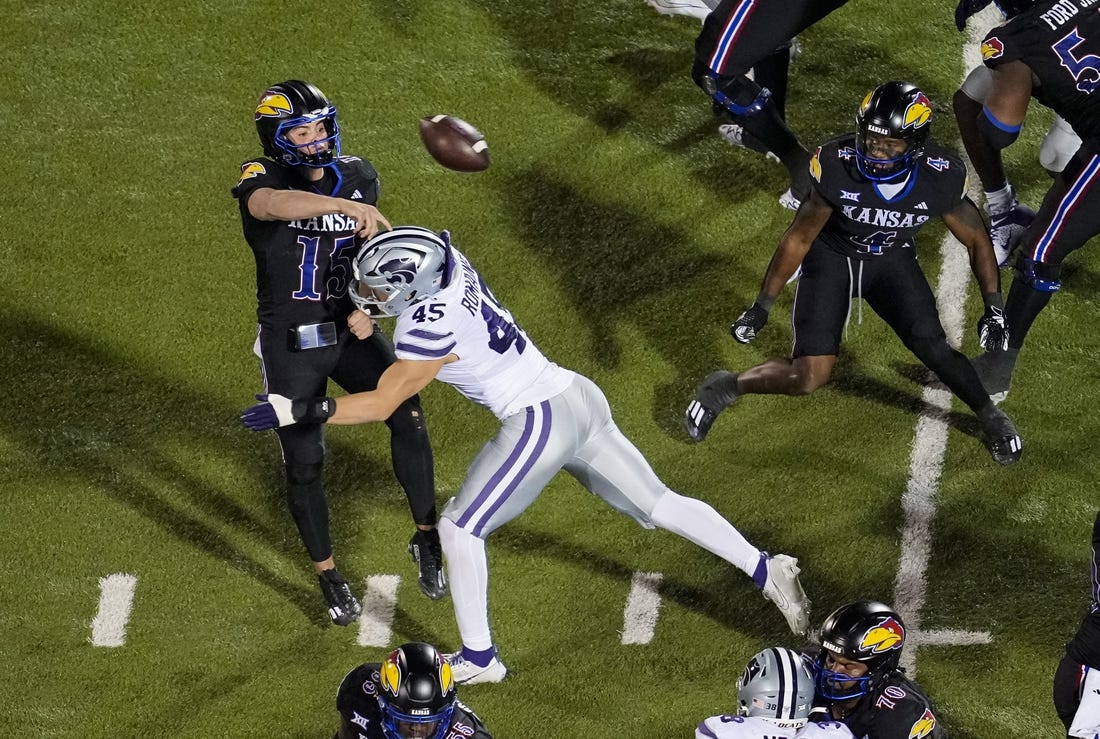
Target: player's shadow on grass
85 414
849 380
1078 277
728 595
620 266
634 77
724 599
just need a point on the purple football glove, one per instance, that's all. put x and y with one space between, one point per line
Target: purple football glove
272 412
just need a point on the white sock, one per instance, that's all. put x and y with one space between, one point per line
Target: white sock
699 523
998 201
468 575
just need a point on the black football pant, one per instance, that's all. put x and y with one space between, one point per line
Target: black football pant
355 366
897 290
1067 219
1067 688
740 35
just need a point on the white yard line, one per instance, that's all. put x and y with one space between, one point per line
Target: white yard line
116 599
379 605
930 438
642 606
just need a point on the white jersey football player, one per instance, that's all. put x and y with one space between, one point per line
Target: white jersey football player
775 695
451 327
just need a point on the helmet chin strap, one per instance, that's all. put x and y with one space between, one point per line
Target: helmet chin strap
339 177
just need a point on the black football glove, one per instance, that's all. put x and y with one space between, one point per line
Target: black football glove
276 410
749 324
993 330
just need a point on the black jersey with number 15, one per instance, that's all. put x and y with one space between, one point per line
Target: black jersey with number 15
303 266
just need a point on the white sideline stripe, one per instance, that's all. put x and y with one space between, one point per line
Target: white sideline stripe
930 438
379 605
640 614
116 599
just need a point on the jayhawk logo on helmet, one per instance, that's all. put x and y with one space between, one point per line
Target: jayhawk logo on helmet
250 170
992 48
919 112
924 726
866 101
273 105
446 677
888 634
390 674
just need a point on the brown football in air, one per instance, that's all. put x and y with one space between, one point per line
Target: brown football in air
454 143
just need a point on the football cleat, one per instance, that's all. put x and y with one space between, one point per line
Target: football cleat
1007 228
343 608
717 393
428 555
693 8
783 588
789 201
736 135
1000 436
733 134
995 371
467 673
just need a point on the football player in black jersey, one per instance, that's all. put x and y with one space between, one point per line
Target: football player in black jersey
304 209
854 238
410 695
859 682
1049 51
743 35
1077 706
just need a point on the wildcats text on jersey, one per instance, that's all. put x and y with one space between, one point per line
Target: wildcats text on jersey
337 222
882 217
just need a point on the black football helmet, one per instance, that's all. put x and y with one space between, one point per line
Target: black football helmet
1008 8
293 103
417 693
865 631
896 110
1012 8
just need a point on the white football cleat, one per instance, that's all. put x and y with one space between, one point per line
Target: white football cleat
789 201
467 673
783 588
1007 228
692 8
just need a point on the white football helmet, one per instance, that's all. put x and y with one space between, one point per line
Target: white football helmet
777 686
399 268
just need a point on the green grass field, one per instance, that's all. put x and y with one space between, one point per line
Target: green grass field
623 233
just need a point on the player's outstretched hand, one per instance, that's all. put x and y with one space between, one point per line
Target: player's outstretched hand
271 412
749 324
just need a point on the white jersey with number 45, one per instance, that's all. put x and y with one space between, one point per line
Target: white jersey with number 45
751 727
498 366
